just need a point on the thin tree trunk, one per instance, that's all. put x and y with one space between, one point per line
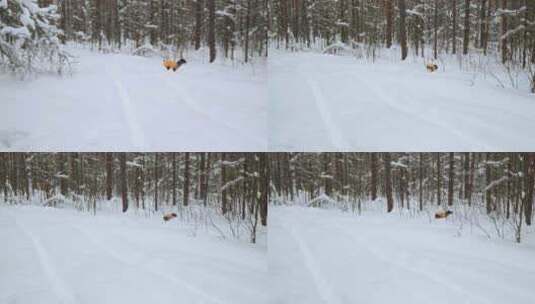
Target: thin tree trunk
388 182
186 179
124 189
109 175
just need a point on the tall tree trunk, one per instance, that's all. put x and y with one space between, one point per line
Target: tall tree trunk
451 178
389 22
420 181
124 190
482 24
503 38
247 30
439 179
211 29
466 175
488 176
373 169
224 203
174 179
435 28
466 40
198 24
454 32
109 175
388 183
186 179
529 172
156 178
403 30
264 187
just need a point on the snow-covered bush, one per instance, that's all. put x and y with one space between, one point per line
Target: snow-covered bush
146 50
28 41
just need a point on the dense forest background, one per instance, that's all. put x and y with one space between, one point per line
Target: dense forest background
199 187
32 31
497 186
460 26
491 36
229 25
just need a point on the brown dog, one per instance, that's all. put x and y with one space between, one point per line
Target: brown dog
431 67
443 214
169 216
170 64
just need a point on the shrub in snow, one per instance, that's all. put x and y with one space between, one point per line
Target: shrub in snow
28 41
338 48
146 50
322 201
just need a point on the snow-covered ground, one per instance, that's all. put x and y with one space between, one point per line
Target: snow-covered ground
118 102
329 257
62 256
327 103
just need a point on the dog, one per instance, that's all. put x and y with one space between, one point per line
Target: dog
431 67
169 216
171 64
443 214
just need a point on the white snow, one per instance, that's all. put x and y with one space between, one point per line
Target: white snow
324 103
63 256
19 32
129 103
329 257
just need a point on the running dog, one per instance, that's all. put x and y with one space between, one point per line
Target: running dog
443 214
431 67
169 216
171 64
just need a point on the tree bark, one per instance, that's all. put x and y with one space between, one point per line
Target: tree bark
124 189
185 198
211 29
109 175
403 30
466 40
373 169
451 178
388 183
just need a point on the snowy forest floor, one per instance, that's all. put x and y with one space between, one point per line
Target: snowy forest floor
330 257
119 102
64 256
324 102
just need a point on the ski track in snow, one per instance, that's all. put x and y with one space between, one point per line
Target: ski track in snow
122 258
336 135
393 102
391 106
117 102
411 262
60 288
136 134
222 264
131 263
366 244
183 95
322 285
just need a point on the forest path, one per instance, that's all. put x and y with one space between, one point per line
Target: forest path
61 256
391 107
129 103
384 259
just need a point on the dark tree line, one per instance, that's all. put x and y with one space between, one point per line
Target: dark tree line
498 183
501 27
223 26
235 184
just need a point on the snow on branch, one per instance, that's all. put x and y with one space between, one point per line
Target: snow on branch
496 183
231 183
398 164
